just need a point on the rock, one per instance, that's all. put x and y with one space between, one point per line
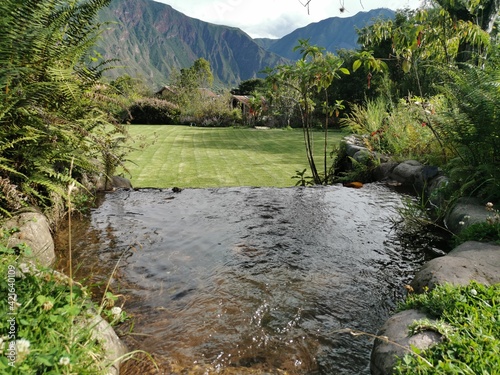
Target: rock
113 347
34 232
364 156
407 172
352 150
469 261
468 211
115 182
118 182
384 170
386 351
434 190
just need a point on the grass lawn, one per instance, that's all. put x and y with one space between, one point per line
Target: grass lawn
184 156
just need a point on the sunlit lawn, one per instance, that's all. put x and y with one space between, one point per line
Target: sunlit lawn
184 156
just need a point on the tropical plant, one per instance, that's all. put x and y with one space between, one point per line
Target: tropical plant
470 127
51 121
313 73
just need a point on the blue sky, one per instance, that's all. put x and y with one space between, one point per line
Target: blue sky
276 18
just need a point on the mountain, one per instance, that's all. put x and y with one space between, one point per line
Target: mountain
332 33
152 39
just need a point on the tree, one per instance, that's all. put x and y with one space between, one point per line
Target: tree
249 86
313 73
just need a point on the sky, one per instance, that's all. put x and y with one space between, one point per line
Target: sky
276 18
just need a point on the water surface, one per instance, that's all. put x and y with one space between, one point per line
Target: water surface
251 280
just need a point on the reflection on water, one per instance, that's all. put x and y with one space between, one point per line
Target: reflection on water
258 279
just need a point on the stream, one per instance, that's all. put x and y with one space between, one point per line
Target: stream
248 280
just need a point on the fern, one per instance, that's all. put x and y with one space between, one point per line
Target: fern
49 112
472 126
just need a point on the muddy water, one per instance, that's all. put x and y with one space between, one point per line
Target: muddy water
260 280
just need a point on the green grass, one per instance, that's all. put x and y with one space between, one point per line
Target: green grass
468 318
194 157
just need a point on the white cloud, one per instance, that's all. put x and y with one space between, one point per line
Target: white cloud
276 18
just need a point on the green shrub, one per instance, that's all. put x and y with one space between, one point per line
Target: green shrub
401 129
42 330
471 343
470 127
154 111
52 121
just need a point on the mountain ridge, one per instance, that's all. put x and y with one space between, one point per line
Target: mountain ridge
151 40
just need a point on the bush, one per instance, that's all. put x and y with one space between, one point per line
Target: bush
154 111
53 123
211 111
400 129
40 332
470 126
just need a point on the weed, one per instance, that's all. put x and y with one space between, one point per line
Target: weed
302 179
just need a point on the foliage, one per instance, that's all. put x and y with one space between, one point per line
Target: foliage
397 129
52 125
471 345
482 232
47 313
197 104
249 86
303 180
216 112
360 85
190 84
470 127
154 112
313 73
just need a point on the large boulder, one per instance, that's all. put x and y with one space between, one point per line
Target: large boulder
394 341
33 231
407 172
470 261
467 211
113 183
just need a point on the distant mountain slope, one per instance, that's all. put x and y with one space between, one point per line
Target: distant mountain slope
152 39
332 33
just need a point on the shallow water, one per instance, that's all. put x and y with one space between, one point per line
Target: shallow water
264 279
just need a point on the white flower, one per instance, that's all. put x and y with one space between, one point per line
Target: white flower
473 292
461 223
47 305
64 361
116 312
22 346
